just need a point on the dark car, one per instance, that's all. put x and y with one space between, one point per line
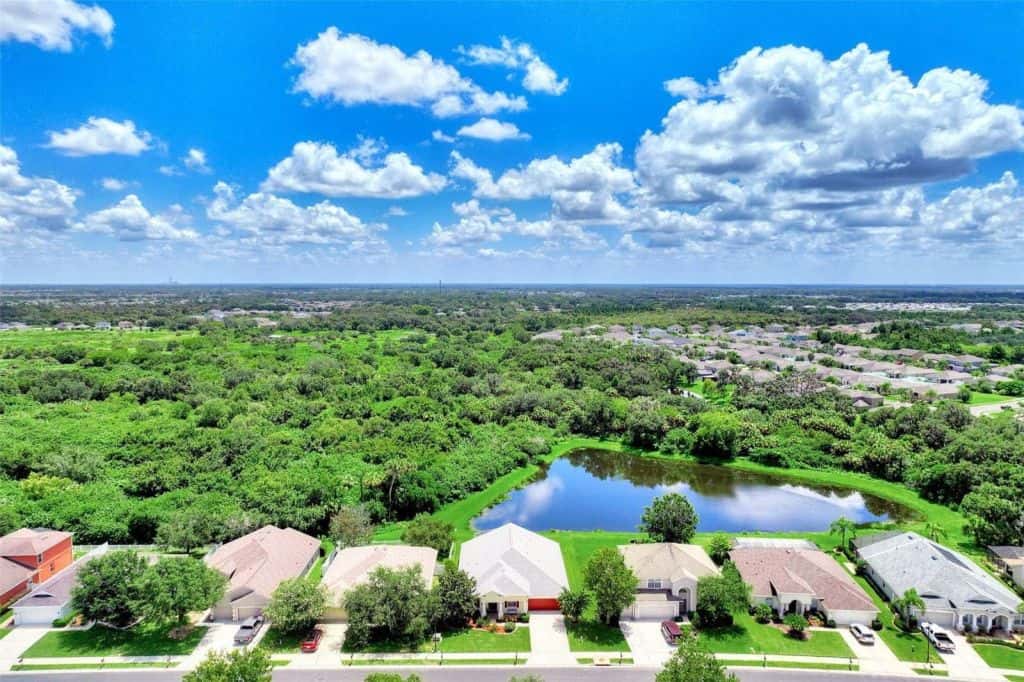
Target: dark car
670 631
311 642
248 629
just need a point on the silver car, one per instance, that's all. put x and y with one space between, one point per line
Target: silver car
248 630
939 638
862 633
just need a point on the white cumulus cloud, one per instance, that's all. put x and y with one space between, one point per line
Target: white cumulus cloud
101 135
492 130
353 69
130 220
318 168
538 76
30 204
195 160
52 24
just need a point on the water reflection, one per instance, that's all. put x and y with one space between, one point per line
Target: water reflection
598 489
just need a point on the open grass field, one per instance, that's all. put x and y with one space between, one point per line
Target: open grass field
1001 656
988 398
746 636
101 641
481 641
592 635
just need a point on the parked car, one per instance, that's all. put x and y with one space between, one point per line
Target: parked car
248 629
862 633
939 638
670 631
311 642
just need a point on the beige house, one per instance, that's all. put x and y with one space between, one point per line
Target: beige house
255 564
794 576
668 573
352 566
516 571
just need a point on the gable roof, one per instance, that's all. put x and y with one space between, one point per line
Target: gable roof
57 590
513 560
30 541
1010 555
799 570
353 565
942 577
667 560
260 561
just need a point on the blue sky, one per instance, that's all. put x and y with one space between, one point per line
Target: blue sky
600 142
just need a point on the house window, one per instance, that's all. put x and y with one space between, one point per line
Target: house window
654 584
511 605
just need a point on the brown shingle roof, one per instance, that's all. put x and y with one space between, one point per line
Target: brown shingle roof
771 570
260 561
30 541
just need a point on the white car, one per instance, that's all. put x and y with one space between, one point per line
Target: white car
862 633
939 638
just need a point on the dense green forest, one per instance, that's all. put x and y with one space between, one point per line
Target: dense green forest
112 434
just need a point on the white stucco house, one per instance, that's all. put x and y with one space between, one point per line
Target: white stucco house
956 592
667 575
516 571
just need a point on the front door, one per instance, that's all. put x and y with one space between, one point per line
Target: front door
492 608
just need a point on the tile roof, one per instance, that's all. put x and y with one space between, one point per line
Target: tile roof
260 561
353 565
512 560
796 570
667 560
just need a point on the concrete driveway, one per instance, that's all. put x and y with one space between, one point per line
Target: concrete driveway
646 641
549 642
329 652
874 658
966 662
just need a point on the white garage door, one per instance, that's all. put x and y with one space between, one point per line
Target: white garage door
653 610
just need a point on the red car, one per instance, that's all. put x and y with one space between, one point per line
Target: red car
311 642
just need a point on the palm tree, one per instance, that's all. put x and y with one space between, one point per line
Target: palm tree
842 527
909 600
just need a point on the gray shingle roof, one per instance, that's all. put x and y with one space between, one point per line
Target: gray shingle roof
942 577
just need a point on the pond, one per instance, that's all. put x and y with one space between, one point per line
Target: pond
604 490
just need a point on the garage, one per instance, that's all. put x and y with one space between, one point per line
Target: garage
651 609
543 604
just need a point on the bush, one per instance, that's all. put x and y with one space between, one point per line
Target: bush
796 624
524 618
762 613
510 627
830 623
876 624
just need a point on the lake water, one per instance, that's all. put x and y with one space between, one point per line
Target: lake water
602 490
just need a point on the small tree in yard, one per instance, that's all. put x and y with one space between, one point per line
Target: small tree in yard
719 548
453 599
108 588
611 582
720 597
843 527
351 526
669 518
796 624
296 605
693 663
173 587
574 603
391 606
426 531
240 665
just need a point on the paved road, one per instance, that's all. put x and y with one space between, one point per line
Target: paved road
460 674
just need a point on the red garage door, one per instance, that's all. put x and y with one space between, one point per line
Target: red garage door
543 604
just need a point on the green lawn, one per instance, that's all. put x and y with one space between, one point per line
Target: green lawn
316 572
592 635
612 660
1014 678
101 641
988 398
787 664
4 632
1001 656
746 636
276 641
480 641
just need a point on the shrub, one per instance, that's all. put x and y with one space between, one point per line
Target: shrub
524 618
796 624
830 623
876 624
510 627
762 613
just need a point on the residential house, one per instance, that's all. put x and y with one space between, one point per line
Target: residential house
516 570
794 576
667 575
352 566
1011 561
956 592
30 556
51 598
255 564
